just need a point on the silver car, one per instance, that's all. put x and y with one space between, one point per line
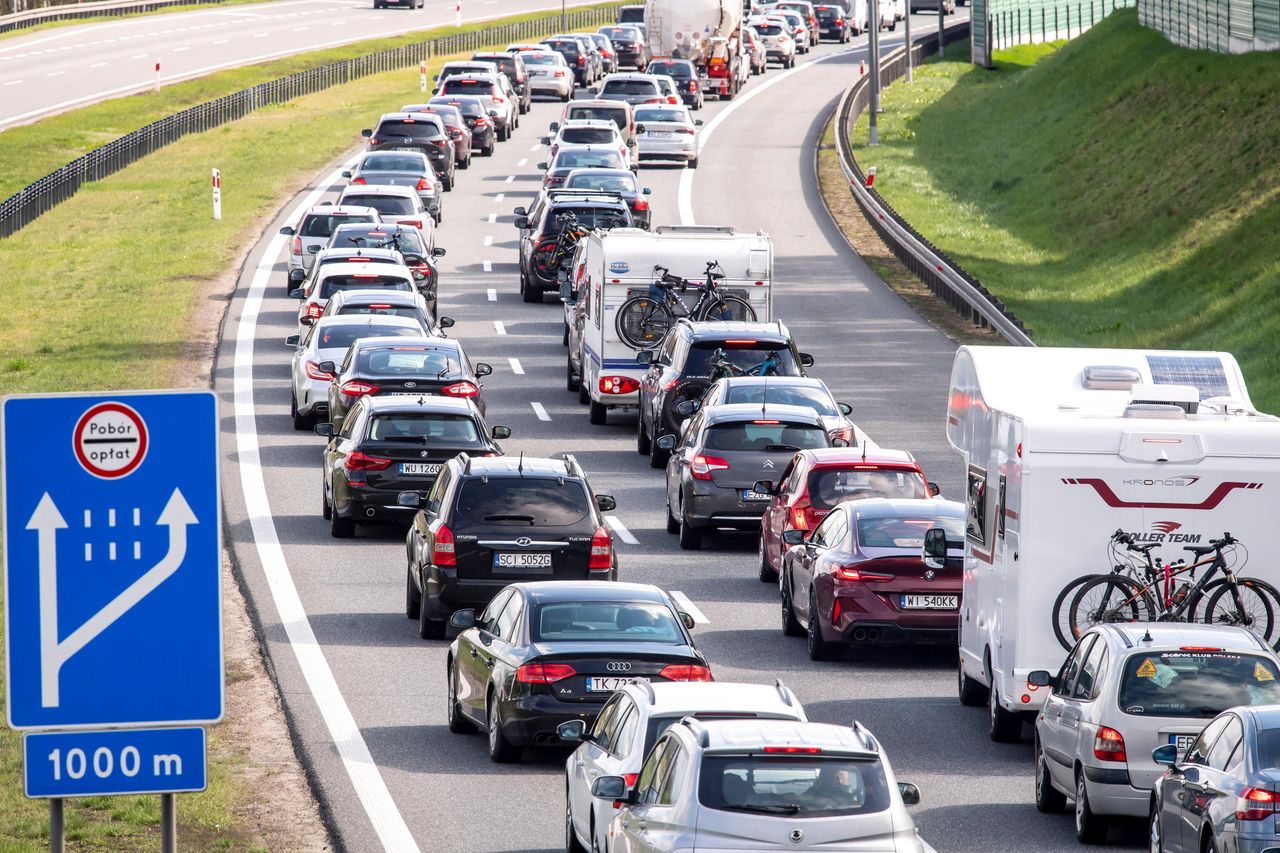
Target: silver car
549 74
629 723
669 133
1126 689
313 230
807 391
763 784
631 88
397 205
400 169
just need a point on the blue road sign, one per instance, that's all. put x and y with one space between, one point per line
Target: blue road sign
123 761
113 603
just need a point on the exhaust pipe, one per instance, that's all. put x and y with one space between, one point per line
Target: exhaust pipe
859 634
370 512
873 635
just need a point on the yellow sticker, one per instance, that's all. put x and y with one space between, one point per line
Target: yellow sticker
1147 670
1261 673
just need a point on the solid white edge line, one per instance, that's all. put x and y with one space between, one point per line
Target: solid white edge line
689 607
540 411
365 777
621 529
516 367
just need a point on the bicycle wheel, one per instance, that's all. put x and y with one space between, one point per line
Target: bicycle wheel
727 308
1108 599
1062 628
1243 604
642 323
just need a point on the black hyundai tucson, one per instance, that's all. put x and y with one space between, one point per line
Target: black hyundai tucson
390 451
489 522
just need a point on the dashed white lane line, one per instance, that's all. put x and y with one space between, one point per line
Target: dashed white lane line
488 239
511 179
139 56
493 295
623 533
536 147
516 367
97 65
222 41
539 411
499 197
524 161
499 327
56 73
493 217
13 82
683 602
488 266
181 49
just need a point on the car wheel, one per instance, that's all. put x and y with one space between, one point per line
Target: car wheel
501 750
564 337
583 397
488 152
428 628
1210 845
1155 831
571 842
693 164
571 380
1090 828
819 649
458 724
566 96
643 445
1003 726
768 574
657 456
529 292
300 422
446 181
791 626
340 528
412 598
690 536
972 693
598 413
326 510
1048 798
673 523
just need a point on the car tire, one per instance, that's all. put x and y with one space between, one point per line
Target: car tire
528 292
791 626
1003 726
693 164
690 536
583 396
340 528
598 414
457 723
1090 828
564 337
428 628
1048 798
488 152
767 573
657 456
300 422
819 649
972 693
446 181
501 750
571 380
571 842
412 598
326 509
1155 831
643 444
673 523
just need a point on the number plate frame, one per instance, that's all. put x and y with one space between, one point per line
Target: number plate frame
539 560
410 469
921 601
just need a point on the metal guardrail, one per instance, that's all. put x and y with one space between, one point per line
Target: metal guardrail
948 281
20 14
38 198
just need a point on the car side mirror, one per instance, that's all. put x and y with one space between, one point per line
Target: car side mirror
346 174
910 794
297 276
1165 755
1040 678
572 731
685 408
324 430
367 132
764 487
409 499
327 367
545 140
645 357
542 166
666 442
554 126
647 191
806 360
606 503
463 619
935 548
297 293
935 489
446 322
640 128
609 788
287 230
566 291
483 369
793 537
292 340
438 252
520 211
845 408
697 122
687 621
314 250
522 222
500 432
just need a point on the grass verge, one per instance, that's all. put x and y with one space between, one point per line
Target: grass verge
52 25
1113 191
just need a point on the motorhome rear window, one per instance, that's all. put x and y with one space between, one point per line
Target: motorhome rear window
1204 372
1198 684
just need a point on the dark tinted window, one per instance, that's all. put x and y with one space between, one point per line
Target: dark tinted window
393 161
1268 749
613 183
396 361
568 48
641 622
829 487
505 62
743 356
768 29
647 114
772 437
334 336
1195 684
424 428
381 309
523 502
899 532
788 785
807 396
588 217
678 70
631 15
405 239
385 204
617 34
586 135
630 87
587 160
451 116
362 281
470 107
391 130
322 225
614 114
467 86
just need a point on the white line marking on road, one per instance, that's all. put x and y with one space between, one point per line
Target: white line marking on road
683 602
363 771
111 550
499 197
511 178
56 73
137 516
621 529
540 412
137 550
111 518
88 519
488 266
13 82
181 49
516 367
499 327
488 239
493 295
222 41
537 147
524 161
97 65
493 217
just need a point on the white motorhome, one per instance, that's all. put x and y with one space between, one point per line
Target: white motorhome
618 264
1065 446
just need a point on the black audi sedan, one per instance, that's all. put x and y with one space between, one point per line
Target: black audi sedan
420 366
392 448
546 652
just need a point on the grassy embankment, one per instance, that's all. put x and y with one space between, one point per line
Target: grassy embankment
100 292
1113 191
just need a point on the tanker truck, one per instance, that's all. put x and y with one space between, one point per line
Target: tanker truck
708 33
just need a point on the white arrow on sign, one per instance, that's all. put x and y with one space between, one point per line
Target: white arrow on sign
47 521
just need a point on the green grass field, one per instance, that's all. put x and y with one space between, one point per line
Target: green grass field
1113 191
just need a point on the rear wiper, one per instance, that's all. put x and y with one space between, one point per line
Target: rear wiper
780 448
528 518
789 808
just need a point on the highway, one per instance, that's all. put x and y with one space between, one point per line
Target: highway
54 70
366 696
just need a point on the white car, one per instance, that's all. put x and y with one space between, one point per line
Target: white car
670 133
328 340
797 27
572 134
632 720
349 276
778 44
397 205
460 67
491 91
670 89
314 228
549 74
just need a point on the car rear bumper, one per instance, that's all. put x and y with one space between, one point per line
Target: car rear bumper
713 506
379 505
560 86
533 719
1111 794
667 149
866 617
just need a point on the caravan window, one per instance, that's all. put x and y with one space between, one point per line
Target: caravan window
975 525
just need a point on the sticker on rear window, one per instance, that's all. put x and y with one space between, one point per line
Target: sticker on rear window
1147 669
1261 673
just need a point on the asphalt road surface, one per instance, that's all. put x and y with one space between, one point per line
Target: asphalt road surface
366 695
55 70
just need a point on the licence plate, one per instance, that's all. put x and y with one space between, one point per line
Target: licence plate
522 561
599 684
1182 742
929 602
659 134
428 468
750 495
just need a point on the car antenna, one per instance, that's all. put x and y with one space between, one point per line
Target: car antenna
864 451
520 464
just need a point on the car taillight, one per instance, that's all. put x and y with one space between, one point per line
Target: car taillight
856 575
1108 745
423 184
442 551
618 385
693 85
1255 804
687 130
544 673
358 461
358 181
314 311
358 389
839 22
314 372
582 60
601 550
630 778
373 140
686 672
656 101
481 122
640 204
702 466
297 246
440 143
672 99
558 74
844 434
460 389
793 750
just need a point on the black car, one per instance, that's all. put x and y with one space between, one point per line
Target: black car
540 230
628 45
608 56
409 242
426 366
544 653
419 132
682 369
511 65
484 131
682 71
621 181
577 56
390 450
489 522
834 24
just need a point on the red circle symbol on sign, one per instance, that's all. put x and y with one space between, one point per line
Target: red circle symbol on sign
110 440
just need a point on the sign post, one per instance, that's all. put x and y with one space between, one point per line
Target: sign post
217 194
422 75
112 592
157 76
873 47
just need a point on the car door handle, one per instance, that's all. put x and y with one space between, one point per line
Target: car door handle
642 825
474 653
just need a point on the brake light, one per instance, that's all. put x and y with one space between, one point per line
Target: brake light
499 100
839 22
582 60
686 672
702 466
766 422
800 517
358 389
618 385
413 223
1255 804
481 122
544 673
460 389
844 434
358 180
630 778
1201 649
743 342
685 130
297 246
672 99
358 461
793 750
1108 745
558 74
423 184
693 85
601 550
313 311
314 372
641 204
442 550
852 573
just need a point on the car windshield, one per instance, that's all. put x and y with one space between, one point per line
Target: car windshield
381 309
408 128
388 205
904 531
588 217
362 281
406 239
817 399
746 357
425 428
574 159
829 487
610 183
630 87
394 162
606 622
467 86
523 502
653 114
587 135
322 225
1198 684
793 786
679 70
763 436
342 336
617 116
412 361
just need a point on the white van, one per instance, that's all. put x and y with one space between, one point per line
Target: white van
1065 446
618 264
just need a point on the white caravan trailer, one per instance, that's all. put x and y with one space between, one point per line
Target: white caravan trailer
1065 446
618 264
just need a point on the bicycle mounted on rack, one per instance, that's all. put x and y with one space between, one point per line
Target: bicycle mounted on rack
643 320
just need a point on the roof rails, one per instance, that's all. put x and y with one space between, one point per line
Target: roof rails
571 466
465 459
784 692
868 739
694 229
699 730
648 689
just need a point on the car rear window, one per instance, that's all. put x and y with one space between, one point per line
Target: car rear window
588 217
523 502
613 114
388 205
586 135
903 531
393 162
827 13
648 115
630 87
470 108
1268 749
322 224
1200 684
606 622
744 356
764 436
343 336
768 29
406 239
541 59
793 786
621 33
572 159
566 47
672 69
424 428
408 128
380 309
609 183
362 281
392 361
467 86
829 487
809 397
